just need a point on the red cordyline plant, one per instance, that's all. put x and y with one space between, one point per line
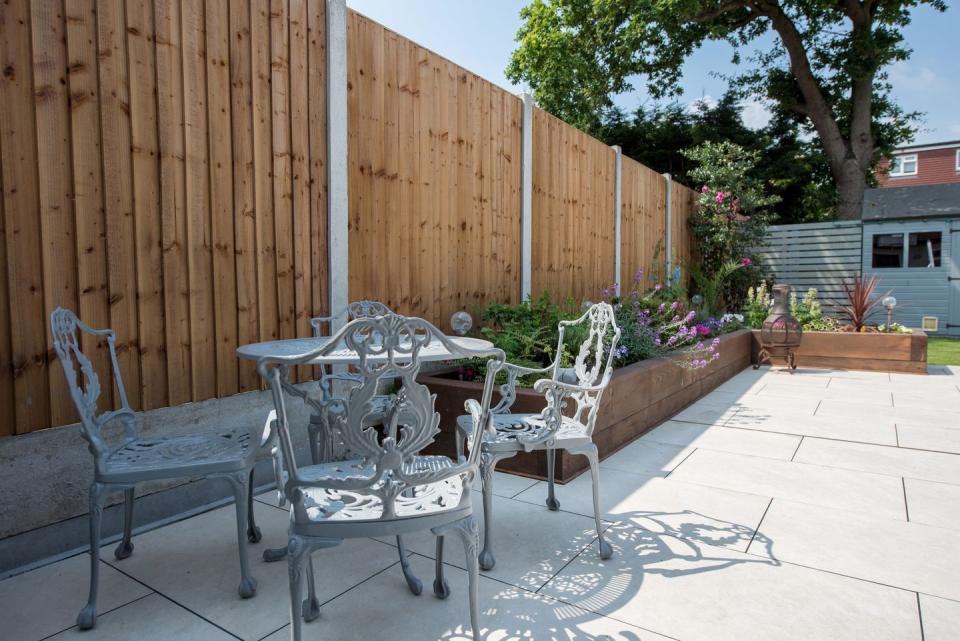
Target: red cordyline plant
860 300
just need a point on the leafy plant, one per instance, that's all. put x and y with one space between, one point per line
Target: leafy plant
860 301
757 307
711 287
809 313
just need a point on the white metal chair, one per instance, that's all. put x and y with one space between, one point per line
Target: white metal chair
127 459
566 422
388 488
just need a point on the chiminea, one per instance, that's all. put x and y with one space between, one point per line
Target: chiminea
781 332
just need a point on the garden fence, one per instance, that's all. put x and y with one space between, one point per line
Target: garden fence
165 171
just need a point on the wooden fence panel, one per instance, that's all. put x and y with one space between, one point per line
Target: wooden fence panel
434 179
643 220
140 187
573 211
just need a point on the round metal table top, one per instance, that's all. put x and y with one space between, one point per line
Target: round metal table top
435 351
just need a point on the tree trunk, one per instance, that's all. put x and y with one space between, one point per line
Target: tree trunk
851 183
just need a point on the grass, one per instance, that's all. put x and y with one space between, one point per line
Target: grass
943 351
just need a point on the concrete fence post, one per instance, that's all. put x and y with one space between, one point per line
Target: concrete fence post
526 197
338 254
668 235
617 218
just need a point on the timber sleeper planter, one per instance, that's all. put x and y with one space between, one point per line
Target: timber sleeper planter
878 352
640 396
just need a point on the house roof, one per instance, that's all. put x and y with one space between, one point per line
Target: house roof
926 201
947 144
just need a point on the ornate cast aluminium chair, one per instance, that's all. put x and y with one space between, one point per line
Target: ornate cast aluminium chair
388 487
123 461
565 423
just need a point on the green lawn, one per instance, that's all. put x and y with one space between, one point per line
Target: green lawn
943 351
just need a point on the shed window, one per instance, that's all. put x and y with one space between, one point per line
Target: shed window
958 160
923 249
887 250
903 165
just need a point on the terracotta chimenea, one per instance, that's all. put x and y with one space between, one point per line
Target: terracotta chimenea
781 332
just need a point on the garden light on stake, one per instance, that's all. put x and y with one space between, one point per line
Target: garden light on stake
889 302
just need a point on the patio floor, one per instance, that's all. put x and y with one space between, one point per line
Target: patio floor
819 506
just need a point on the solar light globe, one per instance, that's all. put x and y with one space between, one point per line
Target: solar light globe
461 322
889 302
697 299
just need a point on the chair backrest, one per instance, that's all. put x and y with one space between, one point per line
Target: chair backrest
83 381
593 364
356 309
385 443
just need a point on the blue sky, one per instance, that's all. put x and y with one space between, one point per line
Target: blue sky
479 35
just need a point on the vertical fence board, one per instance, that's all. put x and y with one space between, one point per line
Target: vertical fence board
176 284
88 201
300 173
118 191
7 411
21 206
317 134
245 223
221 196
146 197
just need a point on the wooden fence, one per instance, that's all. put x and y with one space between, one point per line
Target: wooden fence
163 171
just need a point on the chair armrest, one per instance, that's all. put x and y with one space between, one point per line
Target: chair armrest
508 391
545 384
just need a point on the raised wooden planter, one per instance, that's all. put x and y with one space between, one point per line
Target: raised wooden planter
640 396
906 353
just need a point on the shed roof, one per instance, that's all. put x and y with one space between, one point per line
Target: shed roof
926 201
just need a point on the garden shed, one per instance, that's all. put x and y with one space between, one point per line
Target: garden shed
908 236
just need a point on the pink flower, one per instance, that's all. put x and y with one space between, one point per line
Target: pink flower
704 189
745 261
720 197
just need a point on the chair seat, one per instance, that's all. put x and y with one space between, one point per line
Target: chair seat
328 505
513 429
205 452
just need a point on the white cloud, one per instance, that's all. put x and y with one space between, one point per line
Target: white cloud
756 115
706 100
906 76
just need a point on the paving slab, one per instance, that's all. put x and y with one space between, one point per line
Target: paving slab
933 415
152 618
195 562
923 437
881 431
832 487
382 609
911 556
933 503
718 517
881 459
47 600
723 439
643 456
707 411
697 592
941 618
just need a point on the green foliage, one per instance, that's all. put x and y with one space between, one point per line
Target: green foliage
824 67
711 286
757 306
809 313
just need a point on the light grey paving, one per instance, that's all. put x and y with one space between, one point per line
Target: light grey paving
799 403
195 563
933 503
506 485
932 415
152 618
911 556
643 456
833 487
708 412
697 592
383 609
941 619
879 431
714 437
667 506
879 459
46 601
923 437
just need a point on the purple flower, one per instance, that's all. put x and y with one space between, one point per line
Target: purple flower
656 341
663 306
673 305
716 342
671 341
699 346
689 317
658 287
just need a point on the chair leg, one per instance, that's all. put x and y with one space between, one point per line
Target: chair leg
313 434
253 532
125 548
488 464
248 584
467 528
297 554
441 589
552 503
590 451
88 615
458 437
311 606
415 584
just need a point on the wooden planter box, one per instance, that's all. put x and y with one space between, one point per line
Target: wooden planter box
640 396
906 353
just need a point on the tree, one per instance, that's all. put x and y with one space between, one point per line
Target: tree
790 165
825 66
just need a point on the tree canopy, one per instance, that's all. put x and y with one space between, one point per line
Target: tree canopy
825 66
